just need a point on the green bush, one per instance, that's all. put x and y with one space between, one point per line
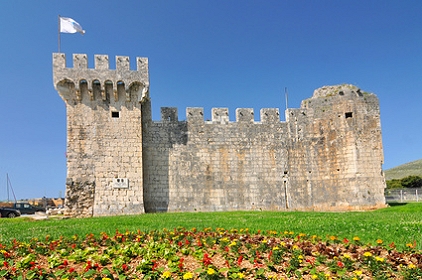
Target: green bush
406 182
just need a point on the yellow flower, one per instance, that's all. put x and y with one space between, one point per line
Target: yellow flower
379 259
233 243
346 256
357 272
264 241
295 247
379 241
411 266
188 275
356 238
106 278
409 245
282 244
240 275
332 237
276 248
166 274
314 276
210 271
367 254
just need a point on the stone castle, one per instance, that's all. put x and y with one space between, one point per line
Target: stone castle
326 156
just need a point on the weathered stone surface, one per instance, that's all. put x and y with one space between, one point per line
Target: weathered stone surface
327 155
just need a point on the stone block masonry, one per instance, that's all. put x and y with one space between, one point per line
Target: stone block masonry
327 155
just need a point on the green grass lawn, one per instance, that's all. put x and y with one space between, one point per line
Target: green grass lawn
401 224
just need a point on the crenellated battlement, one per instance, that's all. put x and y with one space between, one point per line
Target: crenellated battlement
221 115
100 82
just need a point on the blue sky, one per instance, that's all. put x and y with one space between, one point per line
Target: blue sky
234 54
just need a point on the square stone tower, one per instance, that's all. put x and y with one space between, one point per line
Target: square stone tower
104 133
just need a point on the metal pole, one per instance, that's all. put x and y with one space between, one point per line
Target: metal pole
58 33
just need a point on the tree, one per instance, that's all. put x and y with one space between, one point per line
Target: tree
412 182
406 182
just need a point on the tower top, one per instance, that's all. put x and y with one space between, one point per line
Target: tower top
101 73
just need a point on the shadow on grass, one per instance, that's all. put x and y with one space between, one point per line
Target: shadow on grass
394 204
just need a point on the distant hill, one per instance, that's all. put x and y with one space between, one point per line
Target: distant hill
404 170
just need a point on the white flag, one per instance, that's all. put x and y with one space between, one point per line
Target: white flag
68 25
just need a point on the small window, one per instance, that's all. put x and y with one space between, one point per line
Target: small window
349 115
115 114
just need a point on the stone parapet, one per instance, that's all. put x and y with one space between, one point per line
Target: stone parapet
100 82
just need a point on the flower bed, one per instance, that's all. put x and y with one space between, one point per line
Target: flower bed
207 254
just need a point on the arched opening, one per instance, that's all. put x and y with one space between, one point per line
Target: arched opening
108 89
83 88
121 91
96 89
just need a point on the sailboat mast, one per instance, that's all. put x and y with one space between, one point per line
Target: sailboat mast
10 184
7 186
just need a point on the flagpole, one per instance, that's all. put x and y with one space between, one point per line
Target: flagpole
58 33
286 96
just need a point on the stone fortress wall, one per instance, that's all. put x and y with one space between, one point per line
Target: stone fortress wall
327 155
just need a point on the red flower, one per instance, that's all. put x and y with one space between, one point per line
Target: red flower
71 270
270 254
206 260
154 265
6 264
181 264
340 264
257 264
65 262
125 267
239 260
345 240
311 260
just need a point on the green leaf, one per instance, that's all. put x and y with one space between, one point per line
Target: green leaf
260 271
223 269
59 272
89 273
107 273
